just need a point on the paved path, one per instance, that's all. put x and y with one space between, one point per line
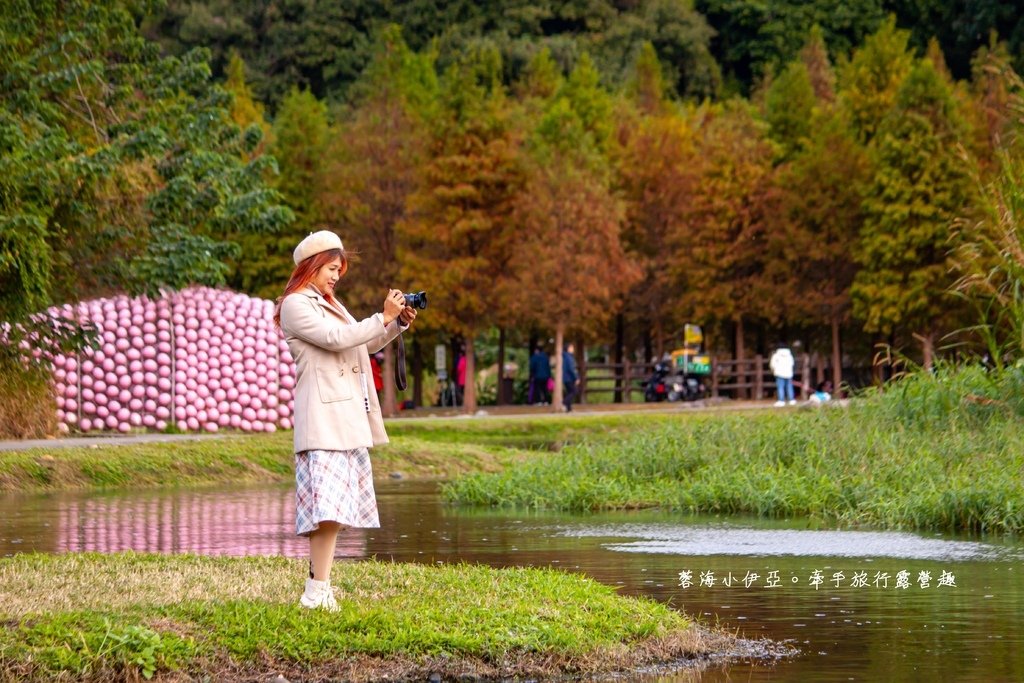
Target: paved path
516 411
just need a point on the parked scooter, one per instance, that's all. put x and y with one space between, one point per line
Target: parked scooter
656 388
666 384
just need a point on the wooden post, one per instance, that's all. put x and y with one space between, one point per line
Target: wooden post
758 377
714 377
581 369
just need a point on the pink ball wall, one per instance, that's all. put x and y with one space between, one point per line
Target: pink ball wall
202 359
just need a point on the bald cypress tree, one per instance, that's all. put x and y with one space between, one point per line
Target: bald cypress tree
917 187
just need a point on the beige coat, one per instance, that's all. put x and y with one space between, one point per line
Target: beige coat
331 352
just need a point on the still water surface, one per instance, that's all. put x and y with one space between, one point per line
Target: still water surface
858 626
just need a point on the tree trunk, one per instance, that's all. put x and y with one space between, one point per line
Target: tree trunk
927 349
469 398
659 337
387 403
417 373
620 343
837 358
581 369
741 375
556 399
501 367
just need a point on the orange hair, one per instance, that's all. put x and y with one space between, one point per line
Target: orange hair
304 274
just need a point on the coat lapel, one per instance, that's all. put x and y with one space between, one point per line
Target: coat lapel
342 314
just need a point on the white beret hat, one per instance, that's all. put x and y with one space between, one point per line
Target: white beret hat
315 243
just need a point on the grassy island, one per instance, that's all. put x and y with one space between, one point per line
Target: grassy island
103 617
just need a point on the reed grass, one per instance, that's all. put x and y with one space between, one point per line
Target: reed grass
935 450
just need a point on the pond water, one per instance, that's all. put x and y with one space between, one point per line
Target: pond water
853 624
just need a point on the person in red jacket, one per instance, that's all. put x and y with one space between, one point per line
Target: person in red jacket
377 365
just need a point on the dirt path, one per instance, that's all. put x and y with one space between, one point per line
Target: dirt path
522 411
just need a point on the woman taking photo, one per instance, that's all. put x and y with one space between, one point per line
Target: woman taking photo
337 415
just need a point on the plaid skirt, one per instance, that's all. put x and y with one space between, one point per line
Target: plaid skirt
334 486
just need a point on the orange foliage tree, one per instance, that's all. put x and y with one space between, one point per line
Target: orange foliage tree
458 238
372 170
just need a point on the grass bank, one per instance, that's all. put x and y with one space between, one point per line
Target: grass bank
429 448
125 615
944 450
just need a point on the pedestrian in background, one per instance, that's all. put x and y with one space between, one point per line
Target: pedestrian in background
540 375
460 377
570 378
781 364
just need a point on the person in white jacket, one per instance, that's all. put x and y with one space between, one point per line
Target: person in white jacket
782 363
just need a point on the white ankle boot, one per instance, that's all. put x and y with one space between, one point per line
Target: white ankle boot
319 595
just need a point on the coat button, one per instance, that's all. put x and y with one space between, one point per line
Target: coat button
355 368
341 372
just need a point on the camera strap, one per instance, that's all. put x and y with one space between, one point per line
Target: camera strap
400 380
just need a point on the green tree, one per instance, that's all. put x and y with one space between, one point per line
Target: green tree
299 135
755 36
791 107
680 37
918 186
132 173
245 109
870 81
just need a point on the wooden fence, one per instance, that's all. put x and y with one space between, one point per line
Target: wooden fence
747 378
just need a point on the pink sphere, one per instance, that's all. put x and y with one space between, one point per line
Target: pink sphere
85 425
161 425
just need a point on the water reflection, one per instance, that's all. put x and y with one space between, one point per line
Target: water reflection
207 522
722 539
974 632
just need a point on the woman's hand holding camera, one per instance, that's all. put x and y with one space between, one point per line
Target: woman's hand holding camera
394 305
407 315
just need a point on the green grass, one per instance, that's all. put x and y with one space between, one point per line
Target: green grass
944 451
429 448
128 614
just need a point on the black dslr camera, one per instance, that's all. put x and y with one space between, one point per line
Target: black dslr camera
416 300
